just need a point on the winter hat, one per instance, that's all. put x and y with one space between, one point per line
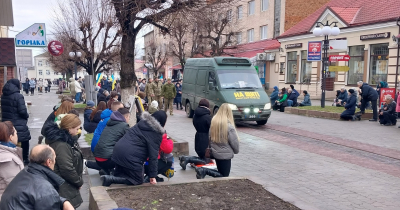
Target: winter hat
161 117
97 88
204 102
351 91
90 103
154 104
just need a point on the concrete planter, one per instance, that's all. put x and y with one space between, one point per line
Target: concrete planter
294 110
100 200
288 110
312 113
302 112
180 147
85 148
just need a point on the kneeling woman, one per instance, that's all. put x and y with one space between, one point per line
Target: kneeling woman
350 107
224 143
69 159
141 142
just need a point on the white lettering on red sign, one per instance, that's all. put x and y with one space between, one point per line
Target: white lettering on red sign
339 58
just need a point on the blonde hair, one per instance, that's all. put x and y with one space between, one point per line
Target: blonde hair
65 107
219 124
70 121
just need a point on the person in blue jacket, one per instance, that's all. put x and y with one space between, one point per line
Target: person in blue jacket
307 100
274 95
350 107
295 91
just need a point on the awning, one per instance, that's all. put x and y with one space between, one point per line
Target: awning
176 67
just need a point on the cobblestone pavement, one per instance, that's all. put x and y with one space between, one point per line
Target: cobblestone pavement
42 106
320 162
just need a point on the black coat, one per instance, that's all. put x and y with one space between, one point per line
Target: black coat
141 142
69 162
35 187
112 133
202 122
88 125
350 104
101 96
292 96
13 109
368 93
391 108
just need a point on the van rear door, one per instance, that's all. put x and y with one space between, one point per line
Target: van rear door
200 87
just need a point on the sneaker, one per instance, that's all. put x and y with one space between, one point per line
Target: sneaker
373 120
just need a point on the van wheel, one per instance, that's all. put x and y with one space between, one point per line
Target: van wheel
262 122
215 111
189 111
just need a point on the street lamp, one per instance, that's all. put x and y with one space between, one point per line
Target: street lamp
325 31
75 55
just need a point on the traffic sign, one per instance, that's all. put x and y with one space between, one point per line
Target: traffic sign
55 48
334 58
339 68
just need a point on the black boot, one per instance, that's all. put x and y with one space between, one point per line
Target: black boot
202 172
108 180
184 160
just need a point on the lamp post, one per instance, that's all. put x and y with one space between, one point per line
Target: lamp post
325 31
75 55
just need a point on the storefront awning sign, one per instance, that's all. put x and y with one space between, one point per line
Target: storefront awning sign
34 36
339 68
337 44
314 52
334 58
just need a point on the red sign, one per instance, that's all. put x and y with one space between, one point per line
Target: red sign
339 58
385 92
55 48
314 51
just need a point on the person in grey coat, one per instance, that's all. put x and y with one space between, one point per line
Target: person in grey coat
224 143
307 100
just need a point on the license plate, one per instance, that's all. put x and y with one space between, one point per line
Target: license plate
251 116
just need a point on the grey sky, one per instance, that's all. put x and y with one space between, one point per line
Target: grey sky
28 12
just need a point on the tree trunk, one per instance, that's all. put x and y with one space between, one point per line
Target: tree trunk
128 77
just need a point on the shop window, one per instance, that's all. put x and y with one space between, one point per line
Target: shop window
291 67
282 68
378 63
356 64
306 68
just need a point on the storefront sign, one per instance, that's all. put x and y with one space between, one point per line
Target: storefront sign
375 36
55 48
335 58
247 95
385 92
314 52
296 45
34 36
337 44
339 68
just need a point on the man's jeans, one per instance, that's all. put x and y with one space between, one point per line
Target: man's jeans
289 103
77 97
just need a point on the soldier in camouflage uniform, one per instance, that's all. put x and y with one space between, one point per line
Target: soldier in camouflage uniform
148 92
169 93
155 92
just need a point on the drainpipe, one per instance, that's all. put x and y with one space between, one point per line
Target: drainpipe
398 54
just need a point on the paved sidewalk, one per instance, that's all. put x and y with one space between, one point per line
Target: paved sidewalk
325 175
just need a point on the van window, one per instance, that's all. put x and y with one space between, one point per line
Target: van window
211 78
201 77
237 79
190 76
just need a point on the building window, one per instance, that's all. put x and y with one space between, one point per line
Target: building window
47 72
47 63
40 72
264 5
55 73
229 15
306 68
40 63
291 67
250 35
263 32
282 68
356 64
251 5
239 37
239 12
379 63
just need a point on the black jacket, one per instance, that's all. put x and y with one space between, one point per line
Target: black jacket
202 122
13 109
69 162
89 125
140 142
101 96
35 187
350 104
112 133
368 93
293 96
391 108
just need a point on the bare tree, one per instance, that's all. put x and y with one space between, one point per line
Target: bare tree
91 28
156 56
